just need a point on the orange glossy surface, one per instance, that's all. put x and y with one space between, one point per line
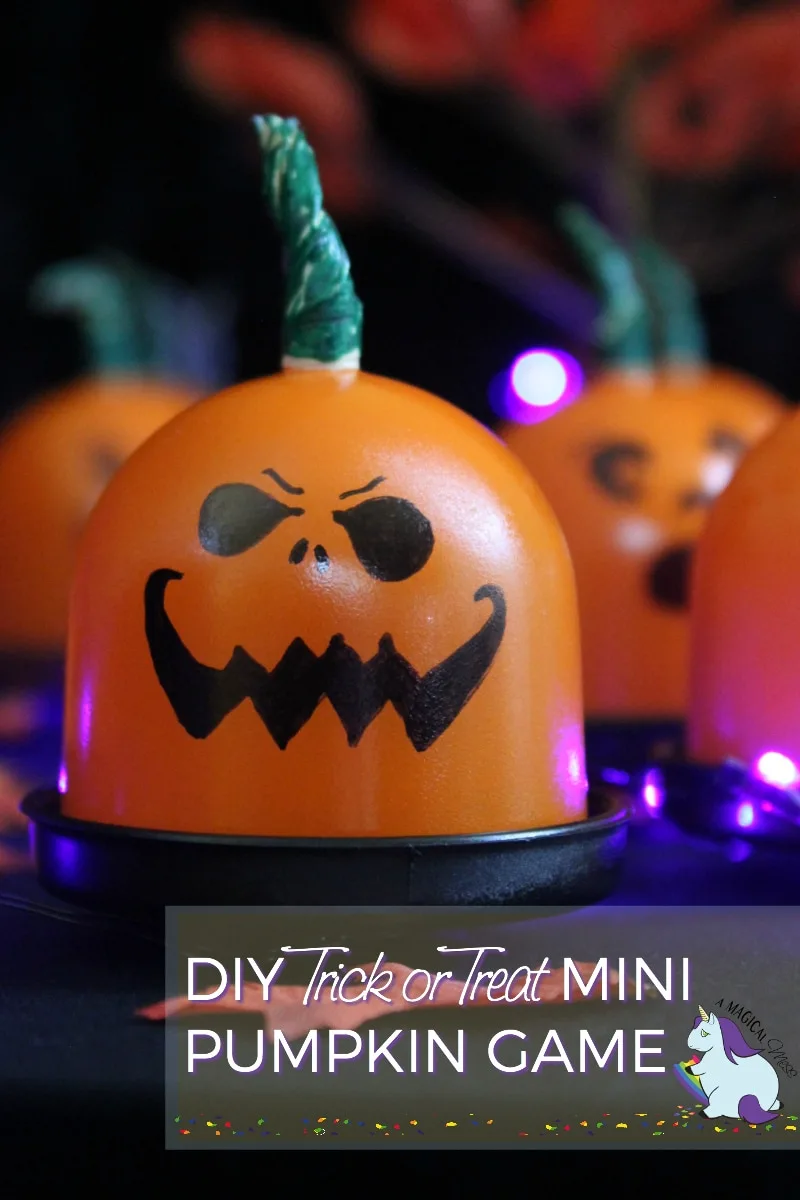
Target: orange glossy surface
513 756
56 457
745 635
622 511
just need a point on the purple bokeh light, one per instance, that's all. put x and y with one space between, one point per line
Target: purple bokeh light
653 791
777 769
613 776
739 851
62 780
745 815
538 384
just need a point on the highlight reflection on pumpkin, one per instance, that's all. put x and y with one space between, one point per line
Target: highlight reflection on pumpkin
323 604
631 469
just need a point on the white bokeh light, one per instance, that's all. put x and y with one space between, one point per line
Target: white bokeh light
777 769
638 535
717 472
539 379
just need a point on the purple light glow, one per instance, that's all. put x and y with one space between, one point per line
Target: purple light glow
85 729
62 780
745 815
69 859
611 775
776 769
538 384
653 791
575 768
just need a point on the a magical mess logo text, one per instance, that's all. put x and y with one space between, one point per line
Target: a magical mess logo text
347 998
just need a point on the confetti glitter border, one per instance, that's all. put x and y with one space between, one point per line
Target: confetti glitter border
203 1128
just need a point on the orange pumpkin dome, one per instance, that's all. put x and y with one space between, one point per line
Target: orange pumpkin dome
631 469
327 610
58 453
55 460
743 702
740 775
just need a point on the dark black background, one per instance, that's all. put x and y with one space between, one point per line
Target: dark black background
102 143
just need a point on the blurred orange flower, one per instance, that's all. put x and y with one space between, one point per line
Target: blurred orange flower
249 68
734 98
433 42
568 51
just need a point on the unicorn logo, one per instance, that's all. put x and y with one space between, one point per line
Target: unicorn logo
730 1076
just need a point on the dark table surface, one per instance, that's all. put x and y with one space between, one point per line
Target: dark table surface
70 983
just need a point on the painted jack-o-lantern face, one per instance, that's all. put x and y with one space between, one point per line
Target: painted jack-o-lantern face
631 470
55 460
324 604
392 540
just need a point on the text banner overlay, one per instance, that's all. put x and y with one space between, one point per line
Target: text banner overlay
670 1028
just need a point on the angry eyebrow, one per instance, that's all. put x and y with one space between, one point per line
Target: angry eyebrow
366 488
287 487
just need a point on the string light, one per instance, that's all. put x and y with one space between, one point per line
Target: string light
539 383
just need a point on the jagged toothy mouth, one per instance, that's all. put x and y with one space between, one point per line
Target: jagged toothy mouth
286 697
670 577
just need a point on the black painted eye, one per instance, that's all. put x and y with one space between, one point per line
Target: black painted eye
236 516
392 538
617 469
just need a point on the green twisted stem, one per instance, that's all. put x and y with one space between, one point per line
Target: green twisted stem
323 317
623 328
683 339
99 294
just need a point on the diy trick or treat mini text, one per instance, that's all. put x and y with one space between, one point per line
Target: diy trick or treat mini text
411 1051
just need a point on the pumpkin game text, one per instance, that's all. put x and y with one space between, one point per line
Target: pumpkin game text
481 980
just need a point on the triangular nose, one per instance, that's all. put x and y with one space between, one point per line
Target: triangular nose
298 551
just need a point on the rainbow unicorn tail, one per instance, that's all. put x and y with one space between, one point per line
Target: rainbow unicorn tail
689 1081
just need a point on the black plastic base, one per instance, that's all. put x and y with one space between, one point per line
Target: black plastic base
615 749
126 871
727 802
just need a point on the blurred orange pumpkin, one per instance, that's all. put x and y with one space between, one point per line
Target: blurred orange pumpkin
631 469
745 646
59 452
